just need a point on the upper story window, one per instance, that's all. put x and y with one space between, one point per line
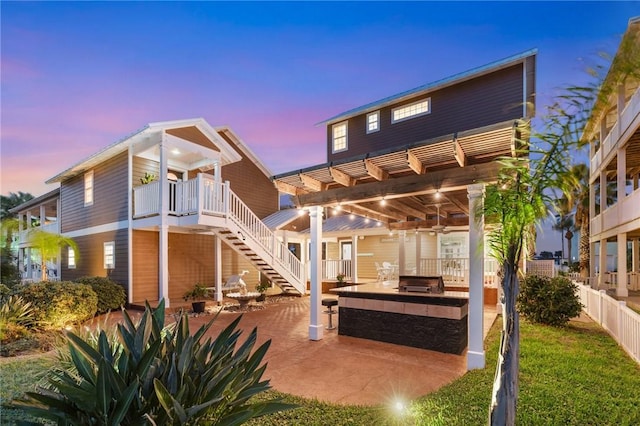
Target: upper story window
88 188
339 136
71 258
412 110
109 255
373 122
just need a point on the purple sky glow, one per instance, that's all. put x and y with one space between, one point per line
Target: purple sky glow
77 76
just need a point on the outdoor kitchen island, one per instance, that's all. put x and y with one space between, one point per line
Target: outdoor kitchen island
421 319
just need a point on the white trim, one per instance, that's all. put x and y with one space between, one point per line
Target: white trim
89 177
346 137
71 254
130 225
377 129
408 106
107 227
112 246
524 88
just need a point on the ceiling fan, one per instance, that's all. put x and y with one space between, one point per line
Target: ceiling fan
437 228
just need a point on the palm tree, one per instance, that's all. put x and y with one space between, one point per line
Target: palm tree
520 200
49 245
10 201
580 200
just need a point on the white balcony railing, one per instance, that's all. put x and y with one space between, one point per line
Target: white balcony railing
204 196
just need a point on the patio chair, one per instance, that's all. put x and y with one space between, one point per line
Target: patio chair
235 282
383 273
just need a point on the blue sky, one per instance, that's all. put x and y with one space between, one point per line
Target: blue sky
77 76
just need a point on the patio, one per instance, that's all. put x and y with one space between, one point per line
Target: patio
341 369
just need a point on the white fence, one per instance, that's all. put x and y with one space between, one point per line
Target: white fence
622 323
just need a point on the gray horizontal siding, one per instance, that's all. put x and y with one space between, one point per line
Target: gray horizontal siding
471 104
90 257
110 196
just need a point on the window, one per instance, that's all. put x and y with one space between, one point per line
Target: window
339 136
373 122
415 109
71 258
109 255
88 188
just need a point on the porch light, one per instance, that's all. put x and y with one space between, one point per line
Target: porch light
437 195
175 151
383 202
379 223
338 207
300 211
352 216
366 220
334 211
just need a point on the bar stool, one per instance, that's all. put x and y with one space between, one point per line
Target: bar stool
330 303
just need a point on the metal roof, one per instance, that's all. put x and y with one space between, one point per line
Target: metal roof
430 87
280 218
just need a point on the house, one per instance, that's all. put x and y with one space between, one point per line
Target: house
613 131
174 204
417 162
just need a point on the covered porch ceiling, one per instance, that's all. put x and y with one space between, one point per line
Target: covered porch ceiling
403 187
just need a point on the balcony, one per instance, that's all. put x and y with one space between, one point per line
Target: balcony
201 195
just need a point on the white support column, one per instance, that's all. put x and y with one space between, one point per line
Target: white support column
315 321
354 258
621 176
402 236
475 352
602 262
418 252
218 271
163 247
622 290
635 255
592 260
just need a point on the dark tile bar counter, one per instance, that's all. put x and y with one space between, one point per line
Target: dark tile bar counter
378 311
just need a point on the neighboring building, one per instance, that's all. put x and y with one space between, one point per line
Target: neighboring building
614 134
153 210
405 162
417 163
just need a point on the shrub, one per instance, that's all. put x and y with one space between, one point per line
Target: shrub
57 304
111 295
161 375
16 316
551 301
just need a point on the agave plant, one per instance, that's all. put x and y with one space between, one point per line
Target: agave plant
161 375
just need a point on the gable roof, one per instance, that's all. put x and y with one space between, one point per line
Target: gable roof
228 154
436 85
225 131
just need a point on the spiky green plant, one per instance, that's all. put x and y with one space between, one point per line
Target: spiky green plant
162 375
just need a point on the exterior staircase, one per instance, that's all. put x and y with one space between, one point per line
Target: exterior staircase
204 203
249 236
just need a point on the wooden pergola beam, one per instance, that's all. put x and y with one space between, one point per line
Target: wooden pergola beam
462 206
375 171
287 188
415 164
459 154
341 177
402 207
313 184
406 186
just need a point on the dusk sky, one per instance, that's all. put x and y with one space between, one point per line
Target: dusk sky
79 76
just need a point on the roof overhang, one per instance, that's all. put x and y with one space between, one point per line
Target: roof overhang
401 187
148 138
436 85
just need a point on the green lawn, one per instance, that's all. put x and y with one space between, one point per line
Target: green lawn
572 376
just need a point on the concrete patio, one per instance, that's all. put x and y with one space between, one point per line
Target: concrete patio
340 369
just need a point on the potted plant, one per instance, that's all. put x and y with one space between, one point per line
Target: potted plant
261 288
197 295
341 282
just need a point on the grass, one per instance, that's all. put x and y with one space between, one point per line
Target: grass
572 376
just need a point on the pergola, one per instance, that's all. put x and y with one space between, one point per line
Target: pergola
404 188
